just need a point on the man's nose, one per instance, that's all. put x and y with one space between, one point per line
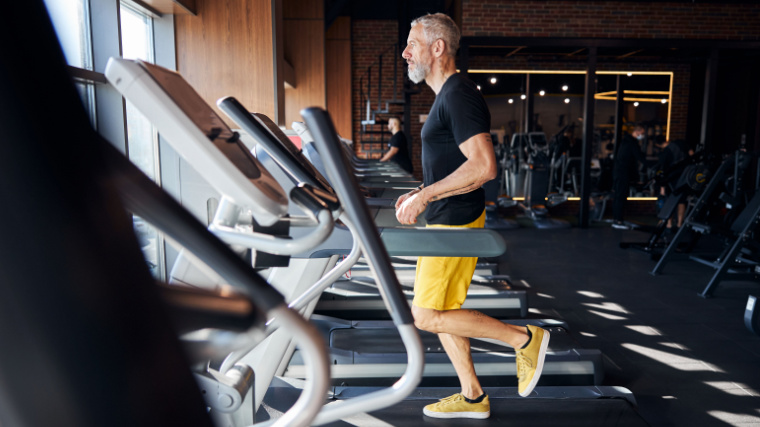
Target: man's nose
405 54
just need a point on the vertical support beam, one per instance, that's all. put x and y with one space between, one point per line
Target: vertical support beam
112 121
588 137
528 105
338 74
619 101
278 31
708 103
464 59
380 82
304 44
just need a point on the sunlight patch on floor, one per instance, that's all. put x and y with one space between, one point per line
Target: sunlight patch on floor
590 294
607 315
644 330
682 363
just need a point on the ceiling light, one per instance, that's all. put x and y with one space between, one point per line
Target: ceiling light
478 87
565 88
511 101
629 74
567 100
542 92
523 96
664 101
493 80
636 104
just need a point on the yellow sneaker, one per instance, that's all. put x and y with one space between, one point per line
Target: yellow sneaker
456 407
530 360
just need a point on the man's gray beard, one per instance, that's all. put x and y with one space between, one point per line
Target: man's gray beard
419 73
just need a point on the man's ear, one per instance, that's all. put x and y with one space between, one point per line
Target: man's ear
439 47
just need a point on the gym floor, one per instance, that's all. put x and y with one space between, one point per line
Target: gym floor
687 360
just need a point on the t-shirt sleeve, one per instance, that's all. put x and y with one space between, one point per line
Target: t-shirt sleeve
396 140
468 114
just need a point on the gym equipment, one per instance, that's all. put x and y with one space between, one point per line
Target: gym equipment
685 179
752 315
528 167
722 190
732 263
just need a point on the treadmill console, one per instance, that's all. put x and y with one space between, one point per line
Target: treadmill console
199 136
293 149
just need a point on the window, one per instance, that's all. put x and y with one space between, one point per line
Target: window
71 19
92 31
142 138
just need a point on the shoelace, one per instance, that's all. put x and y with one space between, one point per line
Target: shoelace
524 365
452 398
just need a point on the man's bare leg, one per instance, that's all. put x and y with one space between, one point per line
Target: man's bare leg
458 350
468 323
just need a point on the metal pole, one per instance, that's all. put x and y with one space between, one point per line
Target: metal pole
708 103
588 137
619 101
528 105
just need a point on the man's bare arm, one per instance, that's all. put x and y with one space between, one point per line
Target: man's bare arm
392 152
479 168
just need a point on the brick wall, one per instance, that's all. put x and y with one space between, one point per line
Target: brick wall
370 38
618 19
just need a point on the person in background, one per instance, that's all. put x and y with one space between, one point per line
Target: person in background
671 152
398 151
626 166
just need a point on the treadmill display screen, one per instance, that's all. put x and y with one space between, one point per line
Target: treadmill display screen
188 100
295 151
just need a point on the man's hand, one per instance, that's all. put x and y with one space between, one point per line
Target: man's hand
406 196
410 206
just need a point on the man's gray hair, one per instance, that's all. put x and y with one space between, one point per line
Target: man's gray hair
440 26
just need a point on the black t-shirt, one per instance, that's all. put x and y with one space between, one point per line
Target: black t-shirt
401 157
627 159
458 113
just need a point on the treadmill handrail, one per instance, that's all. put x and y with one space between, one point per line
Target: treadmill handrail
298 170
443 242
223 226
347 189
334 274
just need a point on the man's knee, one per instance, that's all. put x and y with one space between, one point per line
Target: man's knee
426 319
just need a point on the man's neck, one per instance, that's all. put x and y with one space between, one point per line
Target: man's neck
443 68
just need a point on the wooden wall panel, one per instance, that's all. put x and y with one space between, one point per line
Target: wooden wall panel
228 49
305 51
304 9
338 73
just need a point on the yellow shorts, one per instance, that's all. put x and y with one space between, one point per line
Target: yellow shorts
441 283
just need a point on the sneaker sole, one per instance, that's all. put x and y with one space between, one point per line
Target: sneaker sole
540 368
473 415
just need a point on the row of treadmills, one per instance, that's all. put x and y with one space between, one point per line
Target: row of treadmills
330 278
335 344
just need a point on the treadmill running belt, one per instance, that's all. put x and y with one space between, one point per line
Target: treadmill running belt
513 412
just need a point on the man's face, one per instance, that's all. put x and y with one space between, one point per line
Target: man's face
417 55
